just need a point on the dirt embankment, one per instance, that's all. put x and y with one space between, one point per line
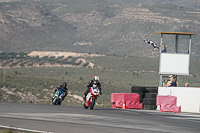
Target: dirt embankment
65 55
25 97
58 54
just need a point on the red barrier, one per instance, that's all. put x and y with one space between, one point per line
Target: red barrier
131 100
116 99
168 104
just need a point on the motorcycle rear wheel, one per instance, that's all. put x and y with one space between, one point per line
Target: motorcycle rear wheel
85 107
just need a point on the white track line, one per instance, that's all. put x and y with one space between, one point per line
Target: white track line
23 129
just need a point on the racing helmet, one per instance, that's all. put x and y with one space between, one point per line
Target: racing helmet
64 84
96 78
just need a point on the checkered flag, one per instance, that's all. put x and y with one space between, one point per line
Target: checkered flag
151 43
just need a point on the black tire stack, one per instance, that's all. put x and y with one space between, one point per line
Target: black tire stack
149 101
147 96
139 90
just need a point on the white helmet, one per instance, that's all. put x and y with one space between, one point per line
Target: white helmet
96 78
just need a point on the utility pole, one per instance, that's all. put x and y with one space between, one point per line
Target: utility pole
4 73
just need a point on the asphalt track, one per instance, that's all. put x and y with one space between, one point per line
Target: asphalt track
72 119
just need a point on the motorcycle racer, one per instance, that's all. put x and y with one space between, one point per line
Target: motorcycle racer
64 87
92 83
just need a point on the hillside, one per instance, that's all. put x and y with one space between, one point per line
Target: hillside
45 59
113 27
47 42
31 77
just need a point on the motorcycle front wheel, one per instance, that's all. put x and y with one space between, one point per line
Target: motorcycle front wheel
92 103
54 101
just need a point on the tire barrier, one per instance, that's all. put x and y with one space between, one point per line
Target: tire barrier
125 100
168 104
149 101
149 107
151 95
148 96
139 90
151 90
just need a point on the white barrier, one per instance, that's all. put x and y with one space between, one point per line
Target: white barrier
187 97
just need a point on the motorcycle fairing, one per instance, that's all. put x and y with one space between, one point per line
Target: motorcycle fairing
88 97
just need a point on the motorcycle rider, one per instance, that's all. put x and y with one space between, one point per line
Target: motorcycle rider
64 87
91 83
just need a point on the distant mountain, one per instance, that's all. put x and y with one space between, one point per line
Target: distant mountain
115 27
26 26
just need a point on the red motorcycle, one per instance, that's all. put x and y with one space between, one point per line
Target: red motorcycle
91 98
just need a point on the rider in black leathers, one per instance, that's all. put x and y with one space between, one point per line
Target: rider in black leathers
96 82
64 86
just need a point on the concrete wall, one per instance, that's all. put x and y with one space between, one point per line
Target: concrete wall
187 97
